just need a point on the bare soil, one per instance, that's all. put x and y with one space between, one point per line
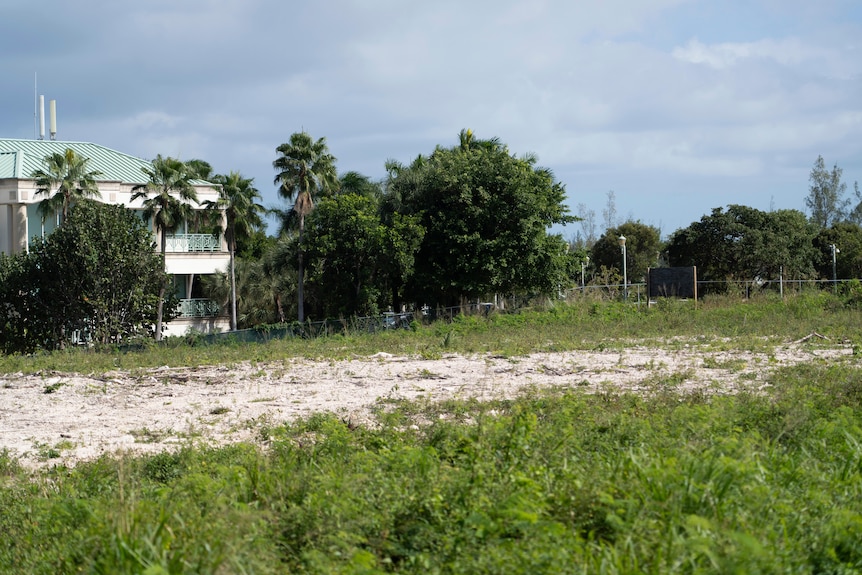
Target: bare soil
63 418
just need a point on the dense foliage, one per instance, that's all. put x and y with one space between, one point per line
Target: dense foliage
744 243
486 215
643 244
354 255
96 277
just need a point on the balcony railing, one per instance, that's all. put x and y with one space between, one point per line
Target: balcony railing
192 243
198 307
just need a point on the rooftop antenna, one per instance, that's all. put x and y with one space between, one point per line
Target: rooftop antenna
41 117
53 109
35 104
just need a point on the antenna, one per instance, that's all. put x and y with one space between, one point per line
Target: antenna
35 103
41 117
53 108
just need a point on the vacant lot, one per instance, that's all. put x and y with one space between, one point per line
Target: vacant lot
62 418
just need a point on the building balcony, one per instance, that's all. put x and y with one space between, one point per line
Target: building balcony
199 307
186 243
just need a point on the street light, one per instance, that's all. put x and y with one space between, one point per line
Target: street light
835 250
584 263
622 242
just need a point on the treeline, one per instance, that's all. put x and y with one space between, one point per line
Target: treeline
463 224
740 243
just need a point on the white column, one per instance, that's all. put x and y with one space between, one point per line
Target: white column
6 230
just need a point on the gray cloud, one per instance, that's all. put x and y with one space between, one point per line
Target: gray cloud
656 99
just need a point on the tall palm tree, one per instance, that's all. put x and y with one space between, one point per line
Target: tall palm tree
242 216
305 169
169 181
67 176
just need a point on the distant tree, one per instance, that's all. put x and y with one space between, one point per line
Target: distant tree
200 170
643 245
360 185
305 169
242 214
98 274
847 238
825 201
67 176
169 182
587 218
486 216
609 213
744 243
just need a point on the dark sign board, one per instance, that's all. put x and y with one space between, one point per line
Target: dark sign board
672 282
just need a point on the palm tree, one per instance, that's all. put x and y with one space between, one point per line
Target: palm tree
68 174
170 184
242 215
305 169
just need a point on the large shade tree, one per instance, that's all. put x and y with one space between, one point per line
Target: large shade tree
745 244
65 179
242 216
306 170
167 198
354 257
843 242
486 215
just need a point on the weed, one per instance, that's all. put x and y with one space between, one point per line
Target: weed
52 387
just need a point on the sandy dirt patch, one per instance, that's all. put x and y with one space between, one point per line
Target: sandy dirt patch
62 418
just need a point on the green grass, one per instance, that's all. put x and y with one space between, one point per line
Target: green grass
755 324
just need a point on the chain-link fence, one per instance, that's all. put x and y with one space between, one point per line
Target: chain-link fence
635 293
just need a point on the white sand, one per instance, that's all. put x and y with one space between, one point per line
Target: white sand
85 416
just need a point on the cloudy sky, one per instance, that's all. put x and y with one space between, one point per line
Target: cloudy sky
677 106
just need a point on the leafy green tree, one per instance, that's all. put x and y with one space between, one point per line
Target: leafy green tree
200 170
847 238
98 274
305 169
67 176
825 201
744 243
360 185
486 215
643 245
167 198
242 214
355 258
18 334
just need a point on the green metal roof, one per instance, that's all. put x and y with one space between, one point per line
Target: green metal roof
20 158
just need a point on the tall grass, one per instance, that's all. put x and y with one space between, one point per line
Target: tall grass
579 325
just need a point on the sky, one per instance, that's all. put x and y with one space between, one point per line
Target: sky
675 106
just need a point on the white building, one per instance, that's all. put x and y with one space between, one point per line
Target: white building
188 255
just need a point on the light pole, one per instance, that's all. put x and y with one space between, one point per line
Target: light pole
835 250
584 263
622 242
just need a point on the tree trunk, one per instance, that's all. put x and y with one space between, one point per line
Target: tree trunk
300 270
160 311
161 305
232 287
